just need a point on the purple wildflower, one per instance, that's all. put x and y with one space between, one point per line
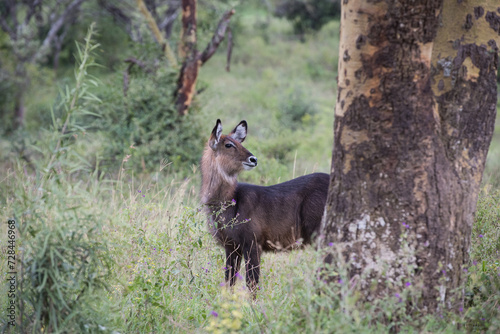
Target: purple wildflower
340 281
222 284
238 276
480 235
233 201
215 314
138 191
408 284
330 244
474 262
143 195
461 309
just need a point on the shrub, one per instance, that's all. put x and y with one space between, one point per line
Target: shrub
64 263
145 124
307 15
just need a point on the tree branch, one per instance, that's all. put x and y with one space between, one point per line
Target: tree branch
32 11
217 37
70 10
229 48
156 32
168 19
9 12
126 74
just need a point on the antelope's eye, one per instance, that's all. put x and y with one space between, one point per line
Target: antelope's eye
229 145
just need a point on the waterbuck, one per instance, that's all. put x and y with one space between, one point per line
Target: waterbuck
247 219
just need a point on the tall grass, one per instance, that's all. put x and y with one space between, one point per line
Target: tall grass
63 264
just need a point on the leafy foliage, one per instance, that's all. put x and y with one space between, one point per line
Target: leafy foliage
145 125
482 297
64 265
307 15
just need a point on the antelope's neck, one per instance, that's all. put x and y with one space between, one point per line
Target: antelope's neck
216 186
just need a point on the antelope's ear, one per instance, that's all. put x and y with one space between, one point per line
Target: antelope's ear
215 136
240 132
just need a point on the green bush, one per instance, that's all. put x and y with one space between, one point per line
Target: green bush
307 15
145 125
63 263
297 110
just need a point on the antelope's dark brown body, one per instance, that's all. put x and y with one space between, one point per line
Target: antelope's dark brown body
249 219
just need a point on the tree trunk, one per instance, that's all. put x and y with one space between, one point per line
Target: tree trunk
19 110
193 59
407 173
187 51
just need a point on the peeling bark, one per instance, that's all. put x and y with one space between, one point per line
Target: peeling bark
188 51
403 190
193 59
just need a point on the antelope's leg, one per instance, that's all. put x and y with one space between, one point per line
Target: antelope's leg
251 253
233 263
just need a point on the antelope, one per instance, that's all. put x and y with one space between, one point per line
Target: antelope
248 219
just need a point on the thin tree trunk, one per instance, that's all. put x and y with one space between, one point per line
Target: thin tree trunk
193 59
400 202
19 110
187 51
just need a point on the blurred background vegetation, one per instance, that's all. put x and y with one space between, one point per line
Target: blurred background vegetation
277 82
101 172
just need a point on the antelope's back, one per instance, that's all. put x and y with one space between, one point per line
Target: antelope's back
284 212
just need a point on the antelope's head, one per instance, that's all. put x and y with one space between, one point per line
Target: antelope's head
229 154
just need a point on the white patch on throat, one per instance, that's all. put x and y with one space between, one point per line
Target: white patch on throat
224 175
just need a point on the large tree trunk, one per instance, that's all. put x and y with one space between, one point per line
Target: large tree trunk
405 172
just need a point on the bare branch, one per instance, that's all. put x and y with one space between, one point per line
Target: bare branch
51 35
9 11
134 61
169 19
229 48
117 13
217 37
32 11
156 32
126 74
